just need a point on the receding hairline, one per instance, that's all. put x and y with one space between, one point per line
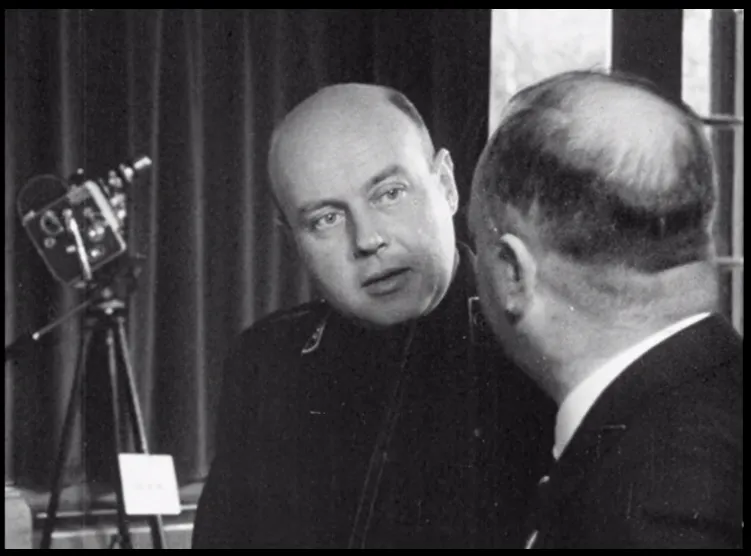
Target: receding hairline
326 99
585 107
647 125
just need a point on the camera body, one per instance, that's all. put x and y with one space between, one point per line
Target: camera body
83 229
78 233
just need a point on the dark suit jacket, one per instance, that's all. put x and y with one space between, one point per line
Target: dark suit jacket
658 461
301 412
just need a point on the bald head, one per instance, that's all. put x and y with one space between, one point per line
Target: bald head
349 114
606 169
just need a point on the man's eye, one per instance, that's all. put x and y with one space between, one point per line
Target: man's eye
390 195
326 221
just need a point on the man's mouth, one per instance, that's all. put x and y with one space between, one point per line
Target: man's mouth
384 276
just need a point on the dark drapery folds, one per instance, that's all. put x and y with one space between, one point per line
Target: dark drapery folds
198 91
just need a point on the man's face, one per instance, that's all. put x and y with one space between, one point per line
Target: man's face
372 218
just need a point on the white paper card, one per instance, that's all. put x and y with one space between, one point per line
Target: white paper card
149 484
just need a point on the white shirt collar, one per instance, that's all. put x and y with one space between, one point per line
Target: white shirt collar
580 400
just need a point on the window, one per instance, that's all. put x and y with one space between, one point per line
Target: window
532 44
713 85
695 75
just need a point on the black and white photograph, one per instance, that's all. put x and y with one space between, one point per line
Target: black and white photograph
374 278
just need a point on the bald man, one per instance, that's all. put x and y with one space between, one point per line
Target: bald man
592 209
383 415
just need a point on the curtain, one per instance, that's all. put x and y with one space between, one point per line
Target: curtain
198 91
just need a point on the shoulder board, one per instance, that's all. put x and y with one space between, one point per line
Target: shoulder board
315 339
310 319
309 309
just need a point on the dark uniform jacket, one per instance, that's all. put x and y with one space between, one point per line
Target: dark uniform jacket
334 436
658 460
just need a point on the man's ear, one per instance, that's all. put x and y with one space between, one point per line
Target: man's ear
517 272
445 170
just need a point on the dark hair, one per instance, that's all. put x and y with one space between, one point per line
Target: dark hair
596 197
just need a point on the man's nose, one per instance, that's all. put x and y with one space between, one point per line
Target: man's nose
368 239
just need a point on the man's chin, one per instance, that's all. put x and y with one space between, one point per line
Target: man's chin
382 322
385 317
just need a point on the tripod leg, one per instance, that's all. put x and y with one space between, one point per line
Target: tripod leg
139 430
123 526
70 416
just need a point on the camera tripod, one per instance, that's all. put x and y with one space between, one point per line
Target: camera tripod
105 313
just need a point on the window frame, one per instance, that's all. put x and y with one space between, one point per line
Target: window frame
731 264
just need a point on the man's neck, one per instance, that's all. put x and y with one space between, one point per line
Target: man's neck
606 345
591 330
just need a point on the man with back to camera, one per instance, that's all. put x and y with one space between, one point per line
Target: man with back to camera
385 415
592 209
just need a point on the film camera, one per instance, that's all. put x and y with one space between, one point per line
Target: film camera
83 230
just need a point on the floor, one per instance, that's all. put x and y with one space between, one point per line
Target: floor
86 518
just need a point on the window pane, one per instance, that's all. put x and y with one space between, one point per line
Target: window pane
696 49
529 45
